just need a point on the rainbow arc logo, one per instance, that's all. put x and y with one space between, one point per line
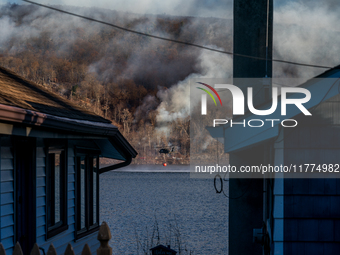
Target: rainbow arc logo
209 93
204 97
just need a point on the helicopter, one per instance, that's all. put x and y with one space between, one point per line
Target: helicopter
166 151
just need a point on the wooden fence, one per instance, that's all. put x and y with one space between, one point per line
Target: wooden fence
104 236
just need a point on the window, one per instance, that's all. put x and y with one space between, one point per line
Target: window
56 187
87 194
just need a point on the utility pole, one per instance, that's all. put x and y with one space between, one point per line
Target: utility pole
253 36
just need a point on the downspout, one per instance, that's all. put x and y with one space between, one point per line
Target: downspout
116 166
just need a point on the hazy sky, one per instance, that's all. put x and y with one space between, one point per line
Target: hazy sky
205 8
312 38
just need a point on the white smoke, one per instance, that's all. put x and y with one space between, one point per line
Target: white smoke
302 33
175 101
222 9
305 33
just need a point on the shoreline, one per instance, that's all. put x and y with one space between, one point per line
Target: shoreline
155 169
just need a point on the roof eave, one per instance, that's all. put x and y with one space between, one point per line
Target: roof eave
33 118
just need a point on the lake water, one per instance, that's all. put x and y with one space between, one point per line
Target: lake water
186 209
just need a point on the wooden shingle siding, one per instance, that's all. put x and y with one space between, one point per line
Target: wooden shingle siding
41 221
7 187
41 189
312 206
7 164
278 193
7 232
7 175
61 240
7 221
7 194
7 210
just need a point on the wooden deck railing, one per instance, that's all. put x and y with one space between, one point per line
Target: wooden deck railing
104 236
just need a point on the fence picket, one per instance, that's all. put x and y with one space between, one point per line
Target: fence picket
2 250
51 250
86 250
104 236
35 250
69 250
17 249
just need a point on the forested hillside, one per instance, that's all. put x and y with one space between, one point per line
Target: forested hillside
119 75
142 84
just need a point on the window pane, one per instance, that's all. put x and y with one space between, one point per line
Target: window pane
50 208
55 191
95 190
57 188
82 193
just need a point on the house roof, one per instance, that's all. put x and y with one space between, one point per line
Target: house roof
327 73
30 104
240 138
20 92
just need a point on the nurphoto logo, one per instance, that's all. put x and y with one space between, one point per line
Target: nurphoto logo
238 104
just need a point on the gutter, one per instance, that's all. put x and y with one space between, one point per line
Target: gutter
116 166
38 119
28 117
126 151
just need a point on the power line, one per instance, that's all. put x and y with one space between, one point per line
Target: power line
172 40
222 190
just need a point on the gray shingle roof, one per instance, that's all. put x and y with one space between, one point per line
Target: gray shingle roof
20 92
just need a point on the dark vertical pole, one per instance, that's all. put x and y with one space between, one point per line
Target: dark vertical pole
25 178
253 36
245 207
